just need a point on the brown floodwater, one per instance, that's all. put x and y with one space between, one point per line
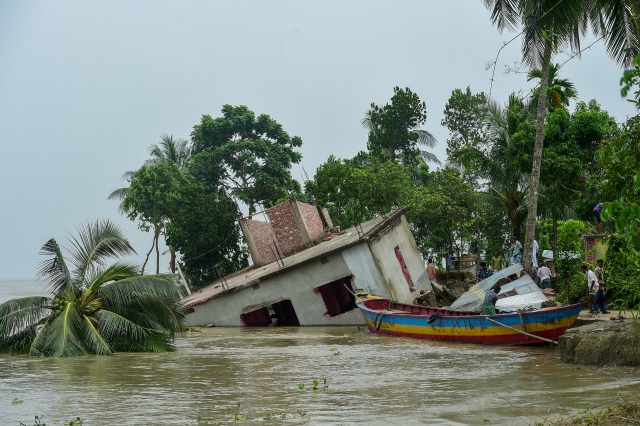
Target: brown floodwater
253 375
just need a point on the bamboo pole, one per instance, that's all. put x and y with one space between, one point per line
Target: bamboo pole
523 332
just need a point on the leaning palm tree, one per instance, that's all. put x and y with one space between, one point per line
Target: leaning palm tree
93 307
560 90
548 25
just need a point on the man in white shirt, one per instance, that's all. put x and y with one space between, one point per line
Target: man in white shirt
592 286
544 274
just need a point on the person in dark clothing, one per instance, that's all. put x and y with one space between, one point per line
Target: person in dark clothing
490 299
596 213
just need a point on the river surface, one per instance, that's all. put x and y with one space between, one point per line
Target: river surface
236 375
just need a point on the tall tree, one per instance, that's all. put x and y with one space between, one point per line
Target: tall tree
442 211
359 189
96 307
254 154
148 199
464 116
547 25
203 229
559 92
503 159
394 130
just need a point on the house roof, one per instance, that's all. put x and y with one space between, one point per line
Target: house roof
334 242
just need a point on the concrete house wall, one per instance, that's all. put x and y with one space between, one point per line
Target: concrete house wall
296 285
370 259
383 250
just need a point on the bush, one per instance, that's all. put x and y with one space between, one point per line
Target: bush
622 271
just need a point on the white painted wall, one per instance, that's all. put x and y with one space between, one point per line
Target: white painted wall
374 266
384 253
296 285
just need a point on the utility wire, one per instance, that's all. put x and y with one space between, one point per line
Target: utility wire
509 42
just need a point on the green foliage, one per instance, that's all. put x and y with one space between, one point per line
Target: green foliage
464 116
252 154
630 80
442 211
559 92
315 385
622 270
203 229
359 189
503 159
569 258
95 308
394 129
619 159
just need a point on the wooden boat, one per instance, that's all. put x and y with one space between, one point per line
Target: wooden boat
384 316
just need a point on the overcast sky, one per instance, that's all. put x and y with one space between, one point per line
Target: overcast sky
86 87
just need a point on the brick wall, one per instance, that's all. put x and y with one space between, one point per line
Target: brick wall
327 217
290 234
262 234
312 221
285 228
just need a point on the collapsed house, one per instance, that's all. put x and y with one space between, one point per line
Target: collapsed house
305 272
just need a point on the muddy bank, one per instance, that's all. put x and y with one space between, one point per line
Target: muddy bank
601 341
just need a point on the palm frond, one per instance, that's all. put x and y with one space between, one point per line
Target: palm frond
99 241
53 271
18 319
116 272
124 334
93 340
61 337
117 295
425 138
429 157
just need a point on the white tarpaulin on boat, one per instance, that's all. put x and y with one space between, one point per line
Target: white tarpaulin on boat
521 293
528 294
472 300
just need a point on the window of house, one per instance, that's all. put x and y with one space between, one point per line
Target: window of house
338 296
276 314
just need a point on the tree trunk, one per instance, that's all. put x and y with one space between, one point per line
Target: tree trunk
146 260
156 238
172 261
532 212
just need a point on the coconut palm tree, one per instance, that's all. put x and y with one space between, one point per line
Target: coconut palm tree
498 163
548 25
559 92
94 307
170 150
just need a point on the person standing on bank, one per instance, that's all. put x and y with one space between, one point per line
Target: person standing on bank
544 275
490 299
592 287
496 261
600 294
431 270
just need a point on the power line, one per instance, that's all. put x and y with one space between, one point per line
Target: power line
509 42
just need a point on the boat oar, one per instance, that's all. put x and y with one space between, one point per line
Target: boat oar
523 332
